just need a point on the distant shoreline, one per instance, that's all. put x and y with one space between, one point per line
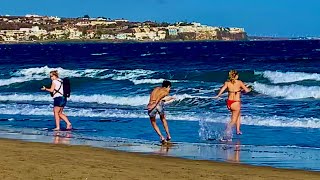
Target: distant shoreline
112 41
166 41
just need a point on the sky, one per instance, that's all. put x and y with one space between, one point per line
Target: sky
279 18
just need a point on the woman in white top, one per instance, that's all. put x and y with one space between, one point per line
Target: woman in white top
59 101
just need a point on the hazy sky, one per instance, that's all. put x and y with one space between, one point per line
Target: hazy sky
258 17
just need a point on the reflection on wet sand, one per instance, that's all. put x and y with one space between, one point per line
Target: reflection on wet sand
233 154
62 137
164 148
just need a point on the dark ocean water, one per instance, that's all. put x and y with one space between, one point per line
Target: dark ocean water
111 84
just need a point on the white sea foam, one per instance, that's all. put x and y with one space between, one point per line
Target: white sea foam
149 81
187 96
210 131
25 97
271 121
116 100
289 92
98 54
96 98
130 74
287 77
278 121
5 82
24 109
147 54
30 74
40 73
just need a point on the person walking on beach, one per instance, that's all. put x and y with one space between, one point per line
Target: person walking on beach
59 101
234 87
158 97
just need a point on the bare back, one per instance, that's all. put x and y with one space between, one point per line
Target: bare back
156 95
234 89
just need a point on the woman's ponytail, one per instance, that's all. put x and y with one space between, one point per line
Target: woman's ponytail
232 76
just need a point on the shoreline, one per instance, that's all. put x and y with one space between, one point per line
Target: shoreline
111 41
167 41
237 151
32 160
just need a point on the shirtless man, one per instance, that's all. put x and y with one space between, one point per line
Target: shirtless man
157 99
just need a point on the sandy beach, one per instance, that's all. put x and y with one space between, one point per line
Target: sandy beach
28 160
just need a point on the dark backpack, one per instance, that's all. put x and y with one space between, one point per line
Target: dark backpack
66 88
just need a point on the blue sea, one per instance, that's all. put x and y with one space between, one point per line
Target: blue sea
111 83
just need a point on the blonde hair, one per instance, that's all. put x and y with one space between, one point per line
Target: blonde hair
55 73
232 76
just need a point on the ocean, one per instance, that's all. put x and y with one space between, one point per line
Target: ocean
111 83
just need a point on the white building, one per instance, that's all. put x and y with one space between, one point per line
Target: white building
172 30
145 35
235 30
26 30
58 33
35 30
196 27
4 19
107 36
83 23
99 22
196 24
121 36
74 33
54 19
162 34
121 20
32 15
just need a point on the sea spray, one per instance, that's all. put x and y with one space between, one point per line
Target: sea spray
209 130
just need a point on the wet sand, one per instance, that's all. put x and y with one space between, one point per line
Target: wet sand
28 160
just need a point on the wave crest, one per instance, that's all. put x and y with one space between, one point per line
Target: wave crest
96 98
271 121
289 92
288 77
40 73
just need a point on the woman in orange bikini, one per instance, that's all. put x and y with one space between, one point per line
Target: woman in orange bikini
234 87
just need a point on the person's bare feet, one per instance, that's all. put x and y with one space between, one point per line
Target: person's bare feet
163 140
168 138
56 129
239 133
69 126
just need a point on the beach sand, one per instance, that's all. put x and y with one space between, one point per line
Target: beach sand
28 160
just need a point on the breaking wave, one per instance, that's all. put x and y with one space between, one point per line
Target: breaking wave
96 98
288 77
289 91
272 121
40 73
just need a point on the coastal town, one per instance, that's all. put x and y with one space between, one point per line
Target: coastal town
35 28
